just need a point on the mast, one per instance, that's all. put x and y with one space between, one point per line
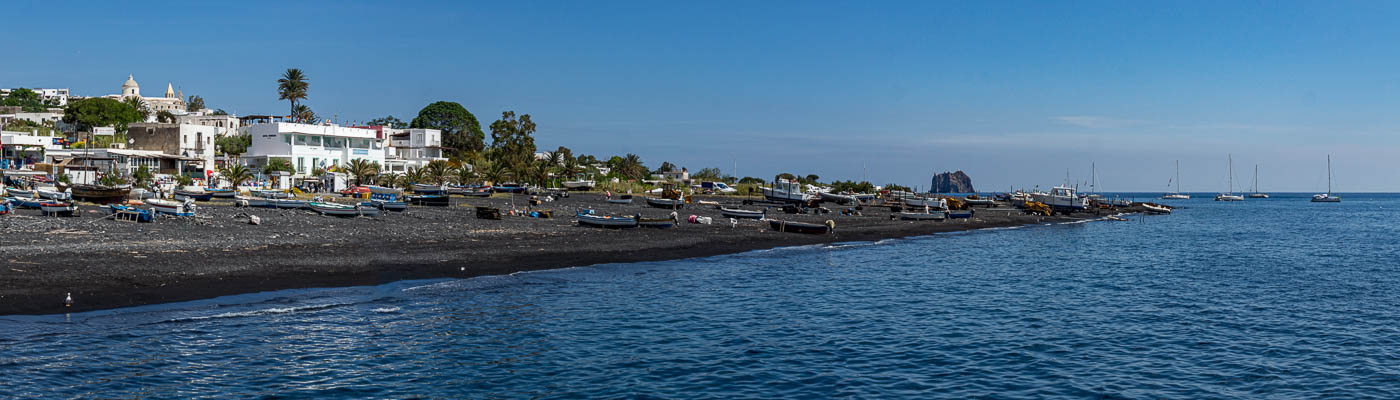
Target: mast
1329 175
1232 173
1256 178
1178 176
1093 178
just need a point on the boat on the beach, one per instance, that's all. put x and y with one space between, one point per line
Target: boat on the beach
389 205
665 203
838 198
429 189
623 199
802 227
26 202
20 192
334 209
930 202
1327 198
251 201
740 213
287 203
6 207
131 213
579 184
923 216
665 222
974 200
1060 198
960 214
606 221
58 208
436 200
193 193
270 194
176 208
484 191
221 193
100 193
786 191
1230 195
51 193
508 188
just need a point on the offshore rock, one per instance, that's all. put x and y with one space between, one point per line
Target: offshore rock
951 182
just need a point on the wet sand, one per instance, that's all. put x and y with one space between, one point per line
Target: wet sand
110 264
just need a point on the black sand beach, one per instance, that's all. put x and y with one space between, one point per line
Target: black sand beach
109 264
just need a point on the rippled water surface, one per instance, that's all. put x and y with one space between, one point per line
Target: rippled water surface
1275 298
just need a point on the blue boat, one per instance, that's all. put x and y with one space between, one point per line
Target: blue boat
194 195
508 189
26 202
137 214
6 207
221 193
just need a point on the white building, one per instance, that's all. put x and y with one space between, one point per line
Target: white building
26 148
172 102
226 124
309 147
411 148
55 96
193 144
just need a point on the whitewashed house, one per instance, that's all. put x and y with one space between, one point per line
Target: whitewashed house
310 146
411 148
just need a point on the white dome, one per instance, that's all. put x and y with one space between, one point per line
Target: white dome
130 83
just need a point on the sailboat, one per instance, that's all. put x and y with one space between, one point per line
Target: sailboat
1178 195
1256 194
1230 196
1327 198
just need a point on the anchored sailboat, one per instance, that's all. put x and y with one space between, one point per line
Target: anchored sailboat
1256 194
1327 198
1230 196
1178 195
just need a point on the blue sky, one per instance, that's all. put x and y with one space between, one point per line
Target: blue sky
1013 93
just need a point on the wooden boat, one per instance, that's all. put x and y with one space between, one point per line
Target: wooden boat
176 208
25 202
250 201
802 227
436 200
959 214
923 216
196 195
132 213
58 208
334 209
100 193
666 222
488 213
738 213
672 204
287 203
623 199
429 189
607 221
221 193
270 194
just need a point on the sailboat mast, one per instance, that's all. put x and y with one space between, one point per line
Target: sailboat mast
1256 178
1231 170
1178 176
1329 174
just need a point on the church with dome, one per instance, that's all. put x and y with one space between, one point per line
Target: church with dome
173 101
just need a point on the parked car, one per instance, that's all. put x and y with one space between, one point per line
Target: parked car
716 187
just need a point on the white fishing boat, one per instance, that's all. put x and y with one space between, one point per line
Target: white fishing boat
271 194
927 215
606 221
838 198
740 213
1156 209
787 191
286 203
335 209
177 208
1062 198
58 208
623 199
1178 195
1256 194
931 202
20 192
51 193
251 201
1230 195
579 184
1327 198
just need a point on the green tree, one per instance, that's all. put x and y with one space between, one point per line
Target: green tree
388 121
195 103
236 175
279 164
631 167
891 186
303 114
363 171
233 145
666 166
511 137
437 171
493 172
708 174
165 117
219 112
27 100
292 87
143 177
139 105
465 176
183 180
94 112
411 176
460 130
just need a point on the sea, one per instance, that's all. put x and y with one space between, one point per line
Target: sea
1276 298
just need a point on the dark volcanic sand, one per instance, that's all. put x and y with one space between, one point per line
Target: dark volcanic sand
110 264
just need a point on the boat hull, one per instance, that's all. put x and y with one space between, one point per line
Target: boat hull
959 214
196 196
666 203
607 222
221 193
333 209
579 185
100 194
430 200
801 227
746 214
136 214
171 207
58 209
937 216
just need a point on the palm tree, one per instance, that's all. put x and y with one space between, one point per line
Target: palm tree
494 172
631 167
236 175
465 176
304 114
279 164
437 171
390 180
292 87
362 170
140 106
571 167
542 170
411 176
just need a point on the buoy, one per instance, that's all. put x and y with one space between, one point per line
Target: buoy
68 300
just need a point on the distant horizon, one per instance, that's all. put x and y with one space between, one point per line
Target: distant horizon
1013 94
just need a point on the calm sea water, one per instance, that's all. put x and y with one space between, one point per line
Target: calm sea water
1275 298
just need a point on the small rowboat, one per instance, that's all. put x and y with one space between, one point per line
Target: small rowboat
26 202
508 189
838 198
221 193
737 213
176 208
667 222
58 208
100 193
623 199
666 203
802 227
20 192
196 195
476 192
436 200
287 203
132 213
51 193
918 216
607 221
334 209
959 214
270 194
388 205
248 201
429 189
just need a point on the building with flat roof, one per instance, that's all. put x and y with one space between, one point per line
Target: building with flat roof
193 143
411 148
310 146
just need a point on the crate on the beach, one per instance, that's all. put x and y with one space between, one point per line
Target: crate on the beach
488 213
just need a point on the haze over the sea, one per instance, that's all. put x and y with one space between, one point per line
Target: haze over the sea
1014 93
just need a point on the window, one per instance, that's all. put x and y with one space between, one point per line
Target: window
301 161
301 140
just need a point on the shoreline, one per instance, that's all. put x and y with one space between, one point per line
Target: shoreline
164 262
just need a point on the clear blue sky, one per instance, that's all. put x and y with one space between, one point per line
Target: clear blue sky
1014 93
